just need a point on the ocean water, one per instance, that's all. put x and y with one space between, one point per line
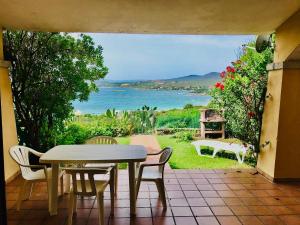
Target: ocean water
122 98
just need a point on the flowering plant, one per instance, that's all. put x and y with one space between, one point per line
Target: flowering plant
240 94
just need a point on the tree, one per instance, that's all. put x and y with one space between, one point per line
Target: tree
48 72
241 94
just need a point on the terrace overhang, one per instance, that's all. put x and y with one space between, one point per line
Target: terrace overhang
144 16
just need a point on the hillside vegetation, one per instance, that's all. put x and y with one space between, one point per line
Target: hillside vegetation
195 83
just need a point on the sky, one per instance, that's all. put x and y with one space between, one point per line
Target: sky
146 57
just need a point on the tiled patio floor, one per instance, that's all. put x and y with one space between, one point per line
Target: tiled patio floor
204 197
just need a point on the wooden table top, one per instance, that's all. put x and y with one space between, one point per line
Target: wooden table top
95 153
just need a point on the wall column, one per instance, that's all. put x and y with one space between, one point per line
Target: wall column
8 116
279 160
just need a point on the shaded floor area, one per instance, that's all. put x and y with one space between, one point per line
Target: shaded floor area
203 197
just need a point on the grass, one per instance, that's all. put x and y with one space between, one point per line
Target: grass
186 157
123 141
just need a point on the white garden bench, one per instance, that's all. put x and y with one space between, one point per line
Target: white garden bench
220 146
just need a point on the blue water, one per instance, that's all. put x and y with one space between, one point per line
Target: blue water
131 99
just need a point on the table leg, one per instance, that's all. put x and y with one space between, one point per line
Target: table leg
132 187
53 192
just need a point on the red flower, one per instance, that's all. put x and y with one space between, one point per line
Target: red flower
230 69
251 114
218 84
222 87
222 74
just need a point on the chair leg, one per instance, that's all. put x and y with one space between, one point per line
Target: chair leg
62 185
162 194
22 193
116 177
112 194
101 208
72 199
28 190
138 184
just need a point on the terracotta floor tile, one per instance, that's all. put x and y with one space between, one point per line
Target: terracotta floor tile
259 210
173 187
221 211
241 210
294 208
291 219
189 187
226 194
205 187
200 181
197 202
270 220
280 210
175 194
185 221
192 194
207 220
178 202
161 212
163 221
202 211
243 193
232 201
181 211
229 220
270 201
142 203
251 201
214 201
250 220
209 194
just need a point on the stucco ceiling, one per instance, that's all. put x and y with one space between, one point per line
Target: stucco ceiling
148 16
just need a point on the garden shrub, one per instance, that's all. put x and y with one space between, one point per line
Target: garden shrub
184 135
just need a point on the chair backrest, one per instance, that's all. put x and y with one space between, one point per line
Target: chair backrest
164 157
20 155
83 181
102 140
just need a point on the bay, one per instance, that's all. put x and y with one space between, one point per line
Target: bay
124 98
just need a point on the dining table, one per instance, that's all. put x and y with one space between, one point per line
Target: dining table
93 153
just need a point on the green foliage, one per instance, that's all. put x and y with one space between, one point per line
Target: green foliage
188 106
241 95
48 72
184 135
118 124
179 118
73 134
186 157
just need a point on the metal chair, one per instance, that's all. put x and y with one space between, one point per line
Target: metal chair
84 184
108 141
41 173
148 173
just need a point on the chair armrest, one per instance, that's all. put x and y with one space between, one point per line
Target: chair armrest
156 153
151 164
36 153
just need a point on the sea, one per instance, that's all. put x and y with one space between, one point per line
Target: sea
125 98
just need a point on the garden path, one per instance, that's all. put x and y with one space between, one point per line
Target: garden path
151 143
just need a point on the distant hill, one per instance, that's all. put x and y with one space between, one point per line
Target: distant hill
209 76
195 83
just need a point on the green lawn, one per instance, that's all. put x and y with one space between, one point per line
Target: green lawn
186 157
124 141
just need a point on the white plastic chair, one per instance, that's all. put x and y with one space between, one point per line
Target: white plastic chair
41 173
84 184
108 141
155 172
